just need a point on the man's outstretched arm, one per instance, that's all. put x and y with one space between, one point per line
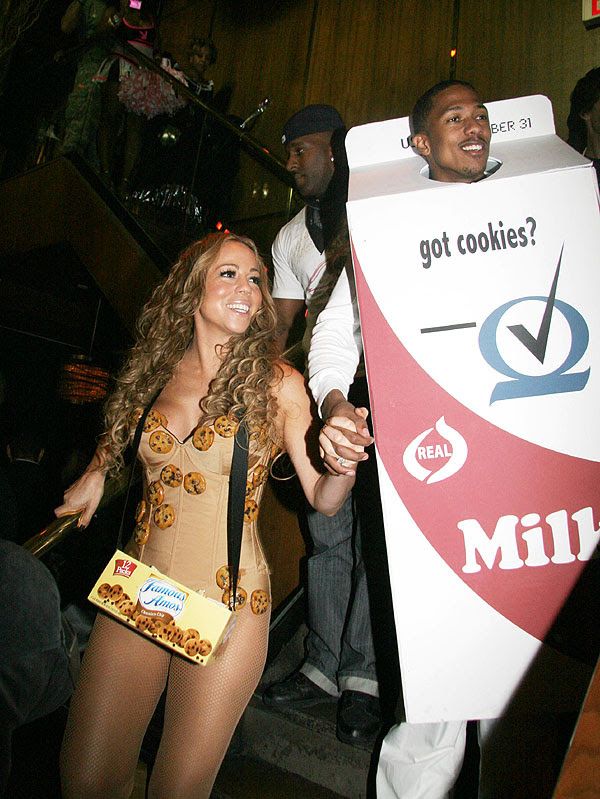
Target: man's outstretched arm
335 351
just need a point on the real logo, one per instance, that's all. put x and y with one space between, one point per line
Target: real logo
450 447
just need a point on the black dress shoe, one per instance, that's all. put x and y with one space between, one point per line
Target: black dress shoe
296 691
358 719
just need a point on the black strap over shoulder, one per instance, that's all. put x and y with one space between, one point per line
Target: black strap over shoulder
135 444
235 507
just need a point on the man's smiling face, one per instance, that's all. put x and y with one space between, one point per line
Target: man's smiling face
456 139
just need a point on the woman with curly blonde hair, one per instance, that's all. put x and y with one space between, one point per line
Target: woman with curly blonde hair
165 331
205 359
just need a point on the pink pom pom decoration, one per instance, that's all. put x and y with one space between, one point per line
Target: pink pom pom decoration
146 93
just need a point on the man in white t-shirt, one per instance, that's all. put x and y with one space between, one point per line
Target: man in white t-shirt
308 254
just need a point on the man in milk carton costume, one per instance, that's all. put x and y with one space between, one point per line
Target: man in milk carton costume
451 673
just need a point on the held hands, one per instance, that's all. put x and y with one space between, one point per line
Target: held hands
344 437
83 497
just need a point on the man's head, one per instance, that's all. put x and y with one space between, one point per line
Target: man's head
307 141
451 130
584 113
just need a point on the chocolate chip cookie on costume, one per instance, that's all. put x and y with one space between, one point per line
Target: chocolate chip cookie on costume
188 517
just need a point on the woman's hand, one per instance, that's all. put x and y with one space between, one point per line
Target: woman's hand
83 496
343 437
336 463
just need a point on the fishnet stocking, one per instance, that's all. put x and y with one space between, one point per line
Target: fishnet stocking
122 678
203 708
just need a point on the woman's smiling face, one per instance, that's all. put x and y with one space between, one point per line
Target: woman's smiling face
232 292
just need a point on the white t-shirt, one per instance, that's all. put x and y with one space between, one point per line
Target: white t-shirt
298 267
334 357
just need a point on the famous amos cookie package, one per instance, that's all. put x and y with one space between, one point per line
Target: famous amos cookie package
184 621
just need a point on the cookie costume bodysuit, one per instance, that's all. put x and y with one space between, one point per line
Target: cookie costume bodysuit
181 529
182 520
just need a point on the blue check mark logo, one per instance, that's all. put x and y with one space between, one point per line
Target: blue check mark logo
537 344
557 381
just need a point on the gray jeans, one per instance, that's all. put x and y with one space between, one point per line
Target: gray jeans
339 644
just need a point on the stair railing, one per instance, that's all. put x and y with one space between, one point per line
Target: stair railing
60 528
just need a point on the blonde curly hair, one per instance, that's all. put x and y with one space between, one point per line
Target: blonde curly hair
243 386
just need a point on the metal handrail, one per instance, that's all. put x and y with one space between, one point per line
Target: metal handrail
60 528
259 151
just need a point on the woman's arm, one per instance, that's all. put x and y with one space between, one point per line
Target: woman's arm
85 494
325 492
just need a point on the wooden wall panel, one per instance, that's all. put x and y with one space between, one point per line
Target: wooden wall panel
520 47
260 48
262 54
372 59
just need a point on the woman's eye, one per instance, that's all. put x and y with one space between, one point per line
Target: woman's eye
256 280
228 273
